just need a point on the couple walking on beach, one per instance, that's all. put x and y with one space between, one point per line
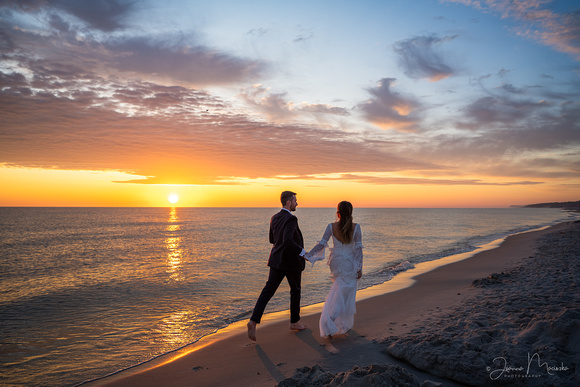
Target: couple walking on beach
288 259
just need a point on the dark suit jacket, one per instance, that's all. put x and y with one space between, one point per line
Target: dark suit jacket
288 243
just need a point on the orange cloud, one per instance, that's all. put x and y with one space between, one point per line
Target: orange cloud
391 110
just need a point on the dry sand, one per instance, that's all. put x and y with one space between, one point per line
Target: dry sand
445 324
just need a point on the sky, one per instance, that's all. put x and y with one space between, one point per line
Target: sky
422 103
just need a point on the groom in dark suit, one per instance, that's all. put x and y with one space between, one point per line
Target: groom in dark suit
286 260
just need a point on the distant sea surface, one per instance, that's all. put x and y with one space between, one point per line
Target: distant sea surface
85 292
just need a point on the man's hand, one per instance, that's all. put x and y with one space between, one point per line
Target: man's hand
358 274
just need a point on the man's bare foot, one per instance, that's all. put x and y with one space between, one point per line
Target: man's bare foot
252 330
298 327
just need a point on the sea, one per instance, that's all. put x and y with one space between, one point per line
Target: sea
86 292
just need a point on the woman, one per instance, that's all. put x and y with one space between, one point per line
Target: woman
345 261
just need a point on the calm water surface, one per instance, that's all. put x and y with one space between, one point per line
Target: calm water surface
88 291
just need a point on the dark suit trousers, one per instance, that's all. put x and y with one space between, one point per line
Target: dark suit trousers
274 279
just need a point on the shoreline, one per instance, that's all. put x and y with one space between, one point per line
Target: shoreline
408 296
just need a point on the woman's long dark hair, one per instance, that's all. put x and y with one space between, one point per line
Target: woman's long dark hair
345 211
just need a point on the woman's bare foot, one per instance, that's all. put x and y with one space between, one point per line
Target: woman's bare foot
298 327
252 330
329 346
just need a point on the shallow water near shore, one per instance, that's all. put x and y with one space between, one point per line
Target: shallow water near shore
89 291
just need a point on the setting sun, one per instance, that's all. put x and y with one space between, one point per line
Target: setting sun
173 198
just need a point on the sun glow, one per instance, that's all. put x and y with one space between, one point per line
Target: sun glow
65 188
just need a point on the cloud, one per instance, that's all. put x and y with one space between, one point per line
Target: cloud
170 134
390 110
420 57
380 179
179 58
324 109
494 109
258 32
510 131
546 131
178 135
537 22
73 97
303 36
546 149
513 123
546 76
506 123
191 63
275 106
506 143
104 15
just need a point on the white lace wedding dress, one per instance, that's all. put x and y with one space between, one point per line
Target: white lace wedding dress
345 260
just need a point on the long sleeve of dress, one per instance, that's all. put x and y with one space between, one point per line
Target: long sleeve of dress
317 252
358 247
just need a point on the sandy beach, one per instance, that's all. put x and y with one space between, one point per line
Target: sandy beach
505 316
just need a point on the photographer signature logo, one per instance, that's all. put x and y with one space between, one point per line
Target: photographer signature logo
535 368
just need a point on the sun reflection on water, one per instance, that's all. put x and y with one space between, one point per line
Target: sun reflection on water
173 244
174 327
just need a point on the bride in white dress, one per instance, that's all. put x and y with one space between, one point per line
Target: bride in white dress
345 261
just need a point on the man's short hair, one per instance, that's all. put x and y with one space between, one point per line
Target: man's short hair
286 195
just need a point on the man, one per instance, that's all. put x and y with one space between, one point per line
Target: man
286 260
